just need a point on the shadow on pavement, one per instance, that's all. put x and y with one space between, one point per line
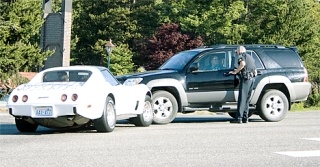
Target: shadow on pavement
10 128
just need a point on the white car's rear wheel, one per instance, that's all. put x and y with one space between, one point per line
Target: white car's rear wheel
107 122
144 119
24 126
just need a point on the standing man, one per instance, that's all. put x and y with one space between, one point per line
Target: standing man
247 70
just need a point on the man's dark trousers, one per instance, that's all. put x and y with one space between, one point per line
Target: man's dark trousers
245 89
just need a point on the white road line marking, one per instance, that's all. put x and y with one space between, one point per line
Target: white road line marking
316 139
315 153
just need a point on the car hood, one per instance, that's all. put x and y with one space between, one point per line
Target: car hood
148 74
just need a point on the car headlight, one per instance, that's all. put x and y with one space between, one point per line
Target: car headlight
132 81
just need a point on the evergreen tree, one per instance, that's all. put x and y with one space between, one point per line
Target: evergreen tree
289 23
215 20
20 24
96 22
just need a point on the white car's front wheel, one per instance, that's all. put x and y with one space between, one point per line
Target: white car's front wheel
145 119
107 122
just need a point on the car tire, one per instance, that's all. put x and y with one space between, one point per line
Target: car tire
145 119
24 126
273 106
107 122
165 107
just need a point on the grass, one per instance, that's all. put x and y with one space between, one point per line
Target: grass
301 107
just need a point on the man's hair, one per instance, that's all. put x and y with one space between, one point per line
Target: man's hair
241 49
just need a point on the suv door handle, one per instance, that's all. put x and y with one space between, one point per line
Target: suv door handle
227 74
259 73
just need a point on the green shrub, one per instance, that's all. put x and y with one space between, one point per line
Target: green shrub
314 97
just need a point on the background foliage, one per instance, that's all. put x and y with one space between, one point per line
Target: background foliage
148 32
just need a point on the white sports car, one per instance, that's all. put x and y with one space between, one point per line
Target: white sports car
74 96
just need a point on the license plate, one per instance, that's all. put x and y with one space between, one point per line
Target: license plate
44 111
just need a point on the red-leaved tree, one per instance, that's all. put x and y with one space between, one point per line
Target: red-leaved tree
167 41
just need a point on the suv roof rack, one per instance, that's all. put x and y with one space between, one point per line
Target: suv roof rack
220 46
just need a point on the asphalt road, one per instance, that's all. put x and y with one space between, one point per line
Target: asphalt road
191 140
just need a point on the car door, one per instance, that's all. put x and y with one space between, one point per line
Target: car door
212 85
125 99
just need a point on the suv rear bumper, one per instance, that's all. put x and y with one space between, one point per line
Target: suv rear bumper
302 91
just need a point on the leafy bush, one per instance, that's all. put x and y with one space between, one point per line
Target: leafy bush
14 81
314 97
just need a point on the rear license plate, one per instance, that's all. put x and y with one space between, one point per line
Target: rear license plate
44 111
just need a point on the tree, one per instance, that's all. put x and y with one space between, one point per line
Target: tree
20 37
167 41
120 58
289 23
98 21
215 20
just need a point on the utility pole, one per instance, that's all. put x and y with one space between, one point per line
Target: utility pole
56 33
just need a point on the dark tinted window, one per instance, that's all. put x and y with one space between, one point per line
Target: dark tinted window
257 61
215 60
285 58
67 76
178 61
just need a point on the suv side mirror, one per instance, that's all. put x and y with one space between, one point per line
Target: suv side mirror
193 67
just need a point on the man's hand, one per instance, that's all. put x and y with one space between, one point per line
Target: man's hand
233 72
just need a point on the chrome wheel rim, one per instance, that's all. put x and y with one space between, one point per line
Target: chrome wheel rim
111 117
162 108
147 111
274 106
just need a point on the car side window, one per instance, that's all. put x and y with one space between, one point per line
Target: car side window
109 77
257 60
213 61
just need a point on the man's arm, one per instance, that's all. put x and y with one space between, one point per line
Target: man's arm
255 73
240 67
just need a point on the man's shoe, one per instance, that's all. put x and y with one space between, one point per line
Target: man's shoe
245 120
236 121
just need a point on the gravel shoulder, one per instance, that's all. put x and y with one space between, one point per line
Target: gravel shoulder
3 109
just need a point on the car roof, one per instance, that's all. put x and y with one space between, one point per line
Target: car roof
247 46
221 46
76 67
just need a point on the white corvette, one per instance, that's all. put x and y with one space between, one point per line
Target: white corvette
74 96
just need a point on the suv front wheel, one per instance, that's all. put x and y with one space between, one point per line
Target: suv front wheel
273 106
165 107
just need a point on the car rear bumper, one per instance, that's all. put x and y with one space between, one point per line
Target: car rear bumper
41 111
302 91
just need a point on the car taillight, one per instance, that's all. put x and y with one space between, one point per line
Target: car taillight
24 98
305 79
15 98
74 97
64 97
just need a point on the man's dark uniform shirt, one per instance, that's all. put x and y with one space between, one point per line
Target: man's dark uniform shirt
245 87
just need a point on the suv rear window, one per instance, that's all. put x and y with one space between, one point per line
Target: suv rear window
285 58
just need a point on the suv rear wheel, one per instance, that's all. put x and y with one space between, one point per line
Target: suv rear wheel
273 106
165 107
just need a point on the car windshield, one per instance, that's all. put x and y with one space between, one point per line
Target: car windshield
67 76
178 61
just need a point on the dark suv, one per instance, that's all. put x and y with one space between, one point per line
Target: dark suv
185 84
